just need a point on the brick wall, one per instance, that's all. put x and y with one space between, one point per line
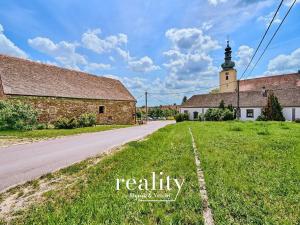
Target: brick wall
50 108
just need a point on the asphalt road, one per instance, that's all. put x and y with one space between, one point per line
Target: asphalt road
21 163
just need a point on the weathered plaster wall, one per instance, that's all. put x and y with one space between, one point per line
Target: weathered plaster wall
51 108
230 84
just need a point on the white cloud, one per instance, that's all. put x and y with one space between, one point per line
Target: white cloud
143 65
92 40
267 19
64 52
285 63
124 54
190 39
244 55
188 63
8 47
97 66
290 2
207 25
216 2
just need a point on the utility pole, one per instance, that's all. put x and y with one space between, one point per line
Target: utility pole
238 111
146 104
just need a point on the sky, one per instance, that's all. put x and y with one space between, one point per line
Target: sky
168 48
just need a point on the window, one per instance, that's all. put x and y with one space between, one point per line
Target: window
186 112
250 113
227 77
101 109
195 115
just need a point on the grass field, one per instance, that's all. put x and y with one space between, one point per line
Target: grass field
50 133
252 173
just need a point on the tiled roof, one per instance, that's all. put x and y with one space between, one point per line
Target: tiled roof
283 81
286 97
24 77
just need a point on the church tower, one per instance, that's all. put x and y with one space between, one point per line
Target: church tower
228 81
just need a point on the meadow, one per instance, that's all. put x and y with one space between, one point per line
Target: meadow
251 169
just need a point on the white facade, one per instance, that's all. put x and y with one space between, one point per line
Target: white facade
190 112
249 113
291 113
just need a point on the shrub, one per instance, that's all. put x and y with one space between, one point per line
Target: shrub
64 123
273 109
87 120
201 117
17 116
41 126
181 117
261 118
297 120
212 115
227 114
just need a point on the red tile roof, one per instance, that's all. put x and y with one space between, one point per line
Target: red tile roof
247 99
286 87
24 77
283 81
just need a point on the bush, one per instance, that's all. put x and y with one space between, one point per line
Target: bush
17 116
201 117
181 117
212 115
65 123
219 114
261 118
297 120
227 114
87 120
41 126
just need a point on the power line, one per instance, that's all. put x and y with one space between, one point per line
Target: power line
272 37
262 39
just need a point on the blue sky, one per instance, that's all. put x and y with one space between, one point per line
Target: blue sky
168 46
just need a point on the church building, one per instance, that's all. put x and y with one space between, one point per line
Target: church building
252 93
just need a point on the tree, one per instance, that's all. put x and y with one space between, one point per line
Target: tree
273 109
222 105
184 100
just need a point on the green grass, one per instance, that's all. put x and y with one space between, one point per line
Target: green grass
252 174
50 133
94 199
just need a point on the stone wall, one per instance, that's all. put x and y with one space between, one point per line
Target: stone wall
51 108
1 90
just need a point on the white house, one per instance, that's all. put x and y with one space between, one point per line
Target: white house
253 93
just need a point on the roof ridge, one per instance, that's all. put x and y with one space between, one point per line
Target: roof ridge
57 67
272 76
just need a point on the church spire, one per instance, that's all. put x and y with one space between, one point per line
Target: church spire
228 64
